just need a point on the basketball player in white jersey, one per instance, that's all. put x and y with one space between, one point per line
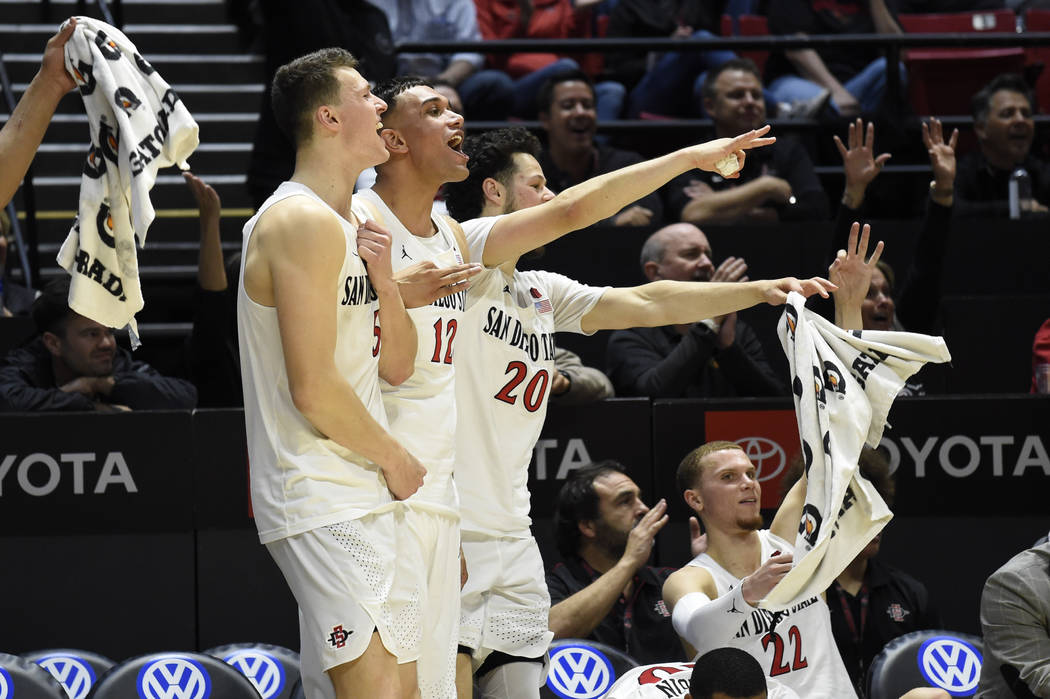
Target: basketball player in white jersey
320 319
424 138
723 673
506 368
713 598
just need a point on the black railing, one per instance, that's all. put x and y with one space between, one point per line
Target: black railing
27 244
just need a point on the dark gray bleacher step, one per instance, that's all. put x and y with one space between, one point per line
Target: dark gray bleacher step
149 39
186 11
63 192
176 68
215 127
199 98
68 158
183 231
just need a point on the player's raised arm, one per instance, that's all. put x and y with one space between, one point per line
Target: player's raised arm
600 197
304 274
668 302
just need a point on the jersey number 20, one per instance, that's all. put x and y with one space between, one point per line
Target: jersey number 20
532 398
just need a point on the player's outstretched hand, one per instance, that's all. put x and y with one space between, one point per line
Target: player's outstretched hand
373 245
404 477
642 537
53 64
776 291
709 155
756 586
424 283
850 272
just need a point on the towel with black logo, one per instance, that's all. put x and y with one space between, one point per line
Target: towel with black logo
137 125
844 383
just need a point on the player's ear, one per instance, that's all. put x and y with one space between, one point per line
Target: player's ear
492 190
693 499
326 117
393 140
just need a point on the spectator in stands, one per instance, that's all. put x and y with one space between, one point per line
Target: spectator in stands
571 155
912 303
855 76
15 299
75 364
1041 359
575 383
540 19
1002 117
486 94
776 184
871 602
212 357
602 589
1015 624
24 129
718 357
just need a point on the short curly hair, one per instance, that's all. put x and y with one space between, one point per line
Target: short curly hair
491 155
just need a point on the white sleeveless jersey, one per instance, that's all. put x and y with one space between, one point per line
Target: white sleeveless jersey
800 650
505 362
301 480
422 410
671 680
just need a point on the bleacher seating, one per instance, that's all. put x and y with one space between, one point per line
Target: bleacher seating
1039 21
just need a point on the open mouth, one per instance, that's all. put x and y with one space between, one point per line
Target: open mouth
456 143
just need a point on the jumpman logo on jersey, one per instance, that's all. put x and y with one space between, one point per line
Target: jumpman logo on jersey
506 288
404 253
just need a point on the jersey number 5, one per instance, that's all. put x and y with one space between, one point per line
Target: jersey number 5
532 398
779 667
377 333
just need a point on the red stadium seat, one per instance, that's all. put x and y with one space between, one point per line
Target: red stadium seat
1039 21
941 81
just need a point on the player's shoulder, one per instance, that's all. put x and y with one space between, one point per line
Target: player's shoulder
692 577
301 218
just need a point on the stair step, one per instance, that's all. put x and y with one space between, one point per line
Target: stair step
148 38
198 98
176 68
190 11
215 127
63 191
68 158
171 234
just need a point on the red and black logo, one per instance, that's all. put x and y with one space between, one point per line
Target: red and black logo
85 77
108 142
104 224
95 166
126 100
339 636
809 527
108 48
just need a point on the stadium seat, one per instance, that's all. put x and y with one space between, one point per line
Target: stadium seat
581 668
76 670
1039 21
24 679
933 658
748 25
274 670
181 674
942 81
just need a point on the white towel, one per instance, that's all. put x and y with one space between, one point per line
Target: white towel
137 124
844 383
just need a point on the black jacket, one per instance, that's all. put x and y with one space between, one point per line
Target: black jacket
27 384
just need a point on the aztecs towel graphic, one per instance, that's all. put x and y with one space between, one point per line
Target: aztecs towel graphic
137 125
844 383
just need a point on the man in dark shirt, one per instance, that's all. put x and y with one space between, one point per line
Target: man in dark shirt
603 590
776 184
718 357
571 155
1002 115
75 364
854 75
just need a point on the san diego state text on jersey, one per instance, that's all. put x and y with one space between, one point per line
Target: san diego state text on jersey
507 328
357 291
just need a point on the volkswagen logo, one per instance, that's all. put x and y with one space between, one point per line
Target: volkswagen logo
174 677
767 456
951 664
579 672
6 687
73 673
264 670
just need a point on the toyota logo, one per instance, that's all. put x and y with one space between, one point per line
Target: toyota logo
951 664
174 677
73 673
264 670
579 672
767 456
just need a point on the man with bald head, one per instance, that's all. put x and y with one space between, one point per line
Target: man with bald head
718 357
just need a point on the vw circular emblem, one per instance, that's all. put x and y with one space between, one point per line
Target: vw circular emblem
951 664
767 456
579 672
262 669
72 672
174 677
6 686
